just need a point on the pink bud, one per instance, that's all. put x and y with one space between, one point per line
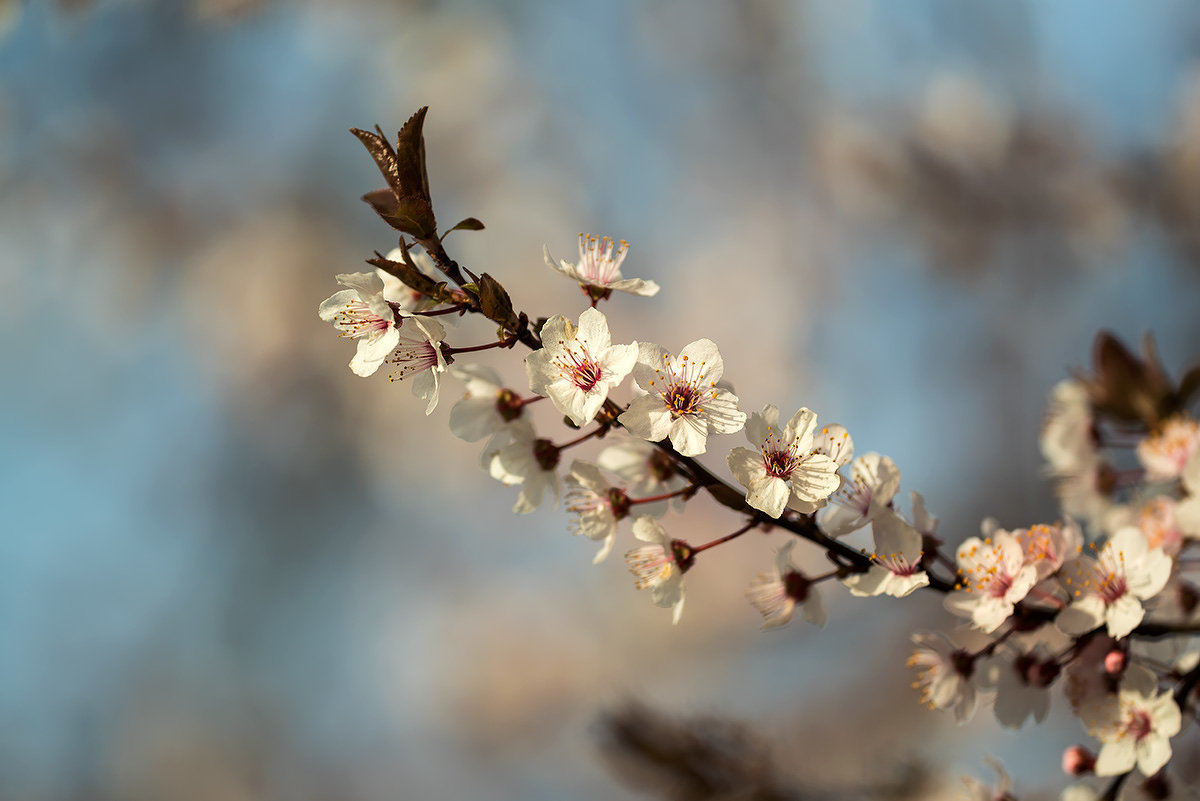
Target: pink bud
1114 662
1078 761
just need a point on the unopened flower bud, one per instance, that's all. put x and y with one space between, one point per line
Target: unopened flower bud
1078 761
1114 662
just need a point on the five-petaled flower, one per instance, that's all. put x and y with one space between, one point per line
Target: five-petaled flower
365 312
785 470
659 566
993 578
599 268
1109 589
599 506
576 367
775 594
896 563
1135 725
681 397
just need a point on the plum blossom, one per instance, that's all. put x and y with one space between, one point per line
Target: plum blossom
681 398
422 356
1165 452
993 578
945 674
1047 546
487 409
1109 589
978 791
646 470
1135 725
599 506
775 594
599 268
577 367
657 566
529 461
874 481
1156 517
364 312
896 562
785 470
1067 440
1022 677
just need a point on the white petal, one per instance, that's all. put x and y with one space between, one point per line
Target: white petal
647 417
703 354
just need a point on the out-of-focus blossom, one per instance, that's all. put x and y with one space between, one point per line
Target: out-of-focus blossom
994 577
1067 440
1109 589
1165 452
874 481
896 562
599 506
1135 725
945 674
656 566
530 462
775 594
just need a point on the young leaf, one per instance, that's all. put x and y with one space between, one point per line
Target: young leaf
410 158
469 224
385 158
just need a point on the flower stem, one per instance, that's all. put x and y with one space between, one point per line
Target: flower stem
752 524
595 432
497 344
690 488
455 309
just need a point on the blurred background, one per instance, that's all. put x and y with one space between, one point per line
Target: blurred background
230 569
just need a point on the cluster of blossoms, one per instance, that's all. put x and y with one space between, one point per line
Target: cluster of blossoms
1063 603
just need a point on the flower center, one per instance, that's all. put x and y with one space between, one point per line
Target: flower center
682 399
586 375
779 464
650 565
1139 724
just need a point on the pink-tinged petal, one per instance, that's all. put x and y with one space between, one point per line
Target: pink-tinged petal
647 418
1022 583
704 356
689 436
1082 616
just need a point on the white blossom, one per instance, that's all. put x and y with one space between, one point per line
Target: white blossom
655 566
488 409
363 312
647 471
993 578
784 471
530 462
1135 725
682 400
874 481
896 563
420 355
599 506
1048 546
834 441
599 266
577 367
945 674
1109 589
1067 442
775 594
1165 452
409 299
